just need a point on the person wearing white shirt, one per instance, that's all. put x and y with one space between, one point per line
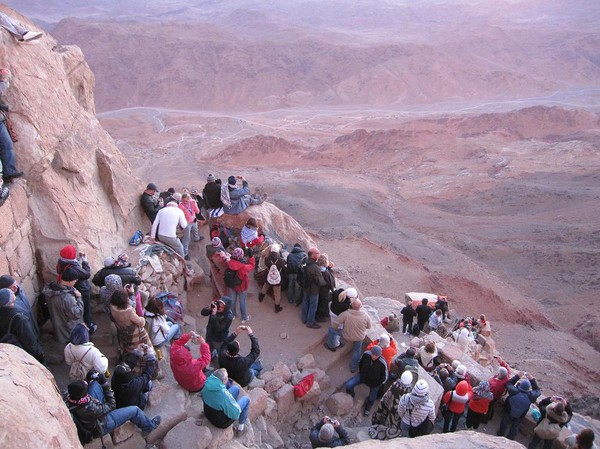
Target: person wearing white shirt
166 222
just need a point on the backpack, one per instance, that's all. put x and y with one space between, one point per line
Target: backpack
231 278
9 337
301 277
415 331
85 435
224 233
274 276
174 310
137 238
78 371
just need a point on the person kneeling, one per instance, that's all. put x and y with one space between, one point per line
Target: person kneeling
93 409
221 403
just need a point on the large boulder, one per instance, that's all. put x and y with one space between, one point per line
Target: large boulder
187 434
33 411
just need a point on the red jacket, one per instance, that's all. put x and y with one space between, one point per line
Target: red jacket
498 386
189 373
242 271
456 402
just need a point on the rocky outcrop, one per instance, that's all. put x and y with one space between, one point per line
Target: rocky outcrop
464 440
33 410
78 188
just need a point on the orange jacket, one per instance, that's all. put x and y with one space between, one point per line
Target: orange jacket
388 353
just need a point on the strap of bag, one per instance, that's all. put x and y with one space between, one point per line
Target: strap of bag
86 352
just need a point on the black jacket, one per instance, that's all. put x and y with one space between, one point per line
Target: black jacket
295 259
129 389
372 372
408 314
218 325
90 411
314 279
149 206
83 273
337 307
212 195
237 366
23 329
126 274
423 313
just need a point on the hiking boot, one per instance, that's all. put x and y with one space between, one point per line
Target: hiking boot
30 36
261 296
4 193
10 177
278 308
313 326
247 319
155 423
331 349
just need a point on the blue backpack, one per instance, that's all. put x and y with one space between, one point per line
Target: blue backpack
174 310
137 238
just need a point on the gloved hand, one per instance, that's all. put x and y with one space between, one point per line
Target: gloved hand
101 379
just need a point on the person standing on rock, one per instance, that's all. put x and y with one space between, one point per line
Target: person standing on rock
240 369
165 226
212 197
190 209
64 304
222 404
150 203
456 400
373 372
423 311
325 291
323 434
15 322
274 258
68 259
341 300
313 281
295 259
408 315
355 323
220 317
240 292
415 409
7 150
241 198
522 392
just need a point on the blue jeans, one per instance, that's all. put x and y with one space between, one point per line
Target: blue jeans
234 298
243 402
255 369
7 152
309 308
187 237
515 423
354 381
294 291
356 353
120 416
174 331
333 337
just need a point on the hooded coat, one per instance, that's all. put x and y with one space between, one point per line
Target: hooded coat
189 372
66 310
218 325
220 407
128 388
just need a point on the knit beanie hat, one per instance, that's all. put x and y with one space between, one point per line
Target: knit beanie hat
68 252
326 433
4 296
461 371
502 373
6 281
376 350
231 181
79 335
77 389
406 378
233 348
351 293
455 364
216 241
524 385
70 274
109 262
421 388
462 388
177 197
384 340
238 253
210 178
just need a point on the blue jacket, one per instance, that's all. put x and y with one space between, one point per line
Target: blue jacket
239 200
342 440
518 400
220 407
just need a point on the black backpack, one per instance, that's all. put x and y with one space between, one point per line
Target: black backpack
85 435
231 278
301 279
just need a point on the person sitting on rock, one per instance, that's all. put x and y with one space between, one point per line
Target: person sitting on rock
189 372
7 149
117 266
415 408
130 389
150 202
22 304
522 392
325 291
341 300
220 317
223 404
162 331
16 323
423 311
295 259
483 326
68 258
479 405
131 332
373 372
456 400
18 31
165 226
435 320
212 197
408 315
241 198
386 419
323 434
583 440
429 357
240 292
81 354
4 191
190 209
249 235
64 304
94 407
217 255
464 337
407 361
274 258
240 369
388 348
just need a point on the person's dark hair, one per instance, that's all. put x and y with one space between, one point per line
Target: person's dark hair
424 301
585 439
430 347
120 299
155 306
411 352
251 223
171 190
443 374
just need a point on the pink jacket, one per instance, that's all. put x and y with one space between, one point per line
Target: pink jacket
190 210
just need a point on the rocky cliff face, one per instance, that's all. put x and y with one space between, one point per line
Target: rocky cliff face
77 188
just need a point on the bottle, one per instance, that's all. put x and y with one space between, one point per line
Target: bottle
159 354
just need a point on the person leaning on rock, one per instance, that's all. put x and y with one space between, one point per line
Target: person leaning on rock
64 304
223 404
165 226
7 149
240 369
323 433
354 323
150 203
18 324
22 303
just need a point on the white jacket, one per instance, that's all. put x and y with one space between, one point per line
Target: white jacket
160 328
91 357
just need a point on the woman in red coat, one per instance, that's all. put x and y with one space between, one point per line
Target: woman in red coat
189 373
456 400
237 264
